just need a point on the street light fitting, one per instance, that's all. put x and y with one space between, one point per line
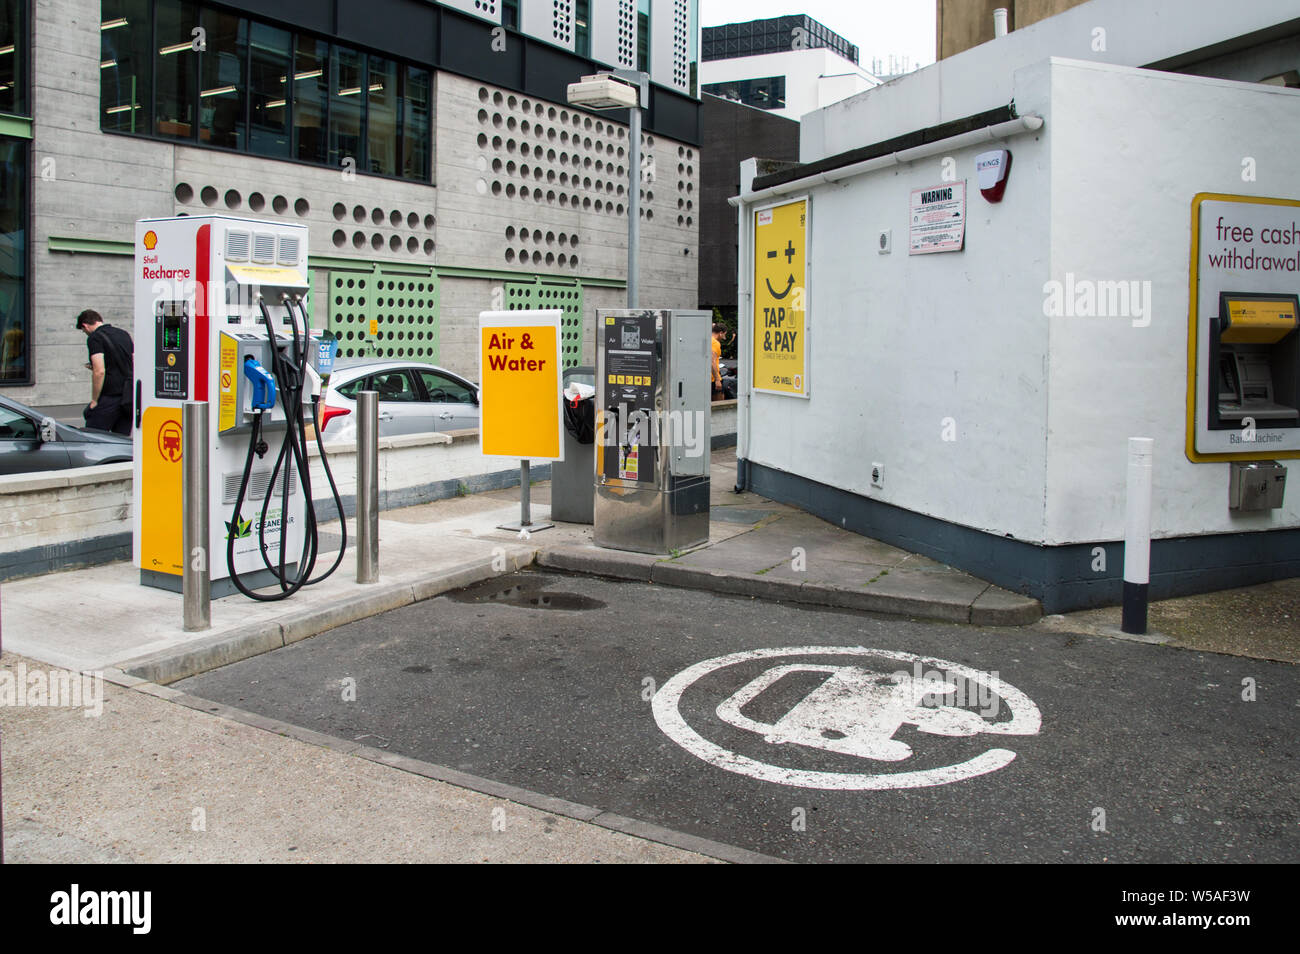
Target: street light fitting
603 91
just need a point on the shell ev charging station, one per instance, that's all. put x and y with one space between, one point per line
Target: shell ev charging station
220 317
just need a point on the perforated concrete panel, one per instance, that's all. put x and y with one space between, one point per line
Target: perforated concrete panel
404 307
529 295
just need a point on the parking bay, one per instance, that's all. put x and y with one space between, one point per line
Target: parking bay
544 681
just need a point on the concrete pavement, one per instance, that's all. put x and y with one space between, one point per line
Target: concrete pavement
102 619
152 781
155 758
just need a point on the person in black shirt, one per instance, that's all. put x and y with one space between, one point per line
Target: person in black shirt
112 370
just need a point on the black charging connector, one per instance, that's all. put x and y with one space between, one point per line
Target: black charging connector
290 374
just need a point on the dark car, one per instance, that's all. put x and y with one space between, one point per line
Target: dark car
31 442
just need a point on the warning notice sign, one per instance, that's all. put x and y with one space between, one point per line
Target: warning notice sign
938 219
781 299
519 371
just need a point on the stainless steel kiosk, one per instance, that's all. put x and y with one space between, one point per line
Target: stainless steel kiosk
652 429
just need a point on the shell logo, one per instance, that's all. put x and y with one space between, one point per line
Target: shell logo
150 239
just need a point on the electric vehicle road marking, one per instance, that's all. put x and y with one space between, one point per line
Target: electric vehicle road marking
855 711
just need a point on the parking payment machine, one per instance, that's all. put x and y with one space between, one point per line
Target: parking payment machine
652 429
220 317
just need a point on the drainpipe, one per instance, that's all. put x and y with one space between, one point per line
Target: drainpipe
999 22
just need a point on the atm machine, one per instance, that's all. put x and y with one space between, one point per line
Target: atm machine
1253 343
220 317
653 405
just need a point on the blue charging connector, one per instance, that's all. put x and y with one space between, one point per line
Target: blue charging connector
263 385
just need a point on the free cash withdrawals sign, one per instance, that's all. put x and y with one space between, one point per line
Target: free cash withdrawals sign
781 298
519 375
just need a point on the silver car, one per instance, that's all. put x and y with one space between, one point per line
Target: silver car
413 399
31 442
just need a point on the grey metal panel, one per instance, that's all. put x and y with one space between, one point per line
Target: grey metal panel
485 9
670 26
613 32
687 386
548 20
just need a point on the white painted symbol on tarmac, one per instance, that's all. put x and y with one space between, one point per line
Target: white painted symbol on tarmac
855 711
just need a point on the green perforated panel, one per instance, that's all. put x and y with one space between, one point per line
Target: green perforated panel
404 307
568 298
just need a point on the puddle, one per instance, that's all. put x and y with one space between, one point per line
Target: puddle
528 594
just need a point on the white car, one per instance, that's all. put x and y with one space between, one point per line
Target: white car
413 399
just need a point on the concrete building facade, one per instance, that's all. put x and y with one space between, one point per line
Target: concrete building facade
428 147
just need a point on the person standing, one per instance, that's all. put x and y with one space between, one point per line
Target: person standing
719 332
112 369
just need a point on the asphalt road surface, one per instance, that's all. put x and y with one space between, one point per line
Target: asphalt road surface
921 741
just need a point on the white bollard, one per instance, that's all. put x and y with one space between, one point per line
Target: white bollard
1137 536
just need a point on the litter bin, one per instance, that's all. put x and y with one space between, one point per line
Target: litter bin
573 494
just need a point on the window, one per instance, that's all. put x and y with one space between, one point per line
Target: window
582 27
417 134
268 90
311 88
394 386
13 56
125 74
15 426
222 84
765 93
444 390
643 36
197 74
510 14
347 78
174 61
381 116
14 352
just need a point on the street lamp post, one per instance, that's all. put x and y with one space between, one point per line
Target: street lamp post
622 89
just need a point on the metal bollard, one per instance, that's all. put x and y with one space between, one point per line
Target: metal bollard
196 576
367 487
525 499
1137 536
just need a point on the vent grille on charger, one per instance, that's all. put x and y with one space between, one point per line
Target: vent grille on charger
237 246
257 484
264 247
289 249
